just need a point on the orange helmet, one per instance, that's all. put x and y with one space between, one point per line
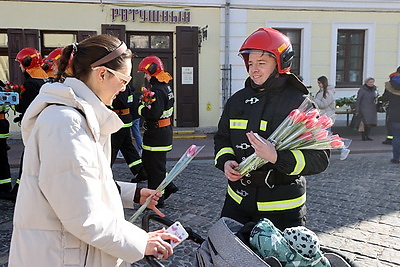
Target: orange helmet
271 41
29 57
152 65
48 62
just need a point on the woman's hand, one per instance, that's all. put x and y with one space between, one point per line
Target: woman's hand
230 172
263 148
145 193
157 246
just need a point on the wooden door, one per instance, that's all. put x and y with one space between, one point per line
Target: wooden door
18 39
187 76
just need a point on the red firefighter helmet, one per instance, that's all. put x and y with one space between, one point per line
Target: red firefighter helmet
271 41
152 65
29 57
48 62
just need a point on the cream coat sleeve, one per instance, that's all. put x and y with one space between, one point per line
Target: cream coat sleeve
76 180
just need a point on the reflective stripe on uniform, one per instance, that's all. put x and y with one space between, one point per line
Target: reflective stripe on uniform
5 181
263 125
126 125
300 162
222 151
140 109
4 135
282 204
136 162
157 148
238 124
238 199
167 113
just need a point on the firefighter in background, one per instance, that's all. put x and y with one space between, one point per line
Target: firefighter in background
277 190
157 137
122 140
5 173
30 61
50 63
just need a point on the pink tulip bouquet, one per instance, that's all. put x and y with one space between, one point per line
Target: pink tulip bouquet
303 128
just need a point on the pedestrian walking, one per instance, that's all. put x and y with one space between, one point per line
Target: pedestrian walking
277 190
69 211
157 137
367 97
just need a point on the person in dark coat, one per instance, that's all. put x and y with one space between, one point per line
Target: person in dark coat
367 97
392 97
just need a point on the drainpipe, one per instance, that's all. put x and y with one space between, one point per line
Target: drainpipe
226 70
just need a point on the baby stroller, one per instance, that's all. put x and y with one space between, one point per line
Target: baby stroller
222 247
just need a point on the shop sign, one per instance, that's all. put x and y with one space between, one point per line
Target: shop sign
151 15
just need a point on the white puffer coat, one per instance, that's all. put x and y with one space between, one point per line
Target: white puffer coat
68 210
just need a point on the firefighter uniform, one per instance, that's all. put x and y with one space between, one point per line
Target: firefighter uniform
274 191
5 174
157 137
122 140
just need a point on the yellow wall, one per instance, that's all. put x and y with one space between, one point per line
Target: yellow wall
80 16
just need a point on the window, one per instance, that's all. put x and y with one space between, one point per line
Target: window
350 58
144 44
4 75
295 38
150 41
53 40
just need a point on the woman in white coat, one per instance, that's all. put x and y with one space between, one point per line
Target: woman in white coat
69 211
325 100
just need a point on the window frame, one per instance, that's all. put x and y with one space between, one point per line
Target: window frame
369 47
348 58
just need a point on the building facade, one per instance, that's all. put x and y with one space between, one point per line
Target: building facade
347 41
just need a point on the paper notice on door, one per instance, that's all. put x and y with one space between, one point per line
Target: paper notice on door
187 75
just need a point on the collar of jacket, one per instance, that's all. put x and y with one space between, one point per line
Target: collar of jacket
275 85
391 89
73 93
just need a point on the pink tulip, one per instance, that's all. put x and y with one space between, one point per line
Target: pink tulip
321 135
337 144
311 123
301 117
312 114
192 151
293 114
306 136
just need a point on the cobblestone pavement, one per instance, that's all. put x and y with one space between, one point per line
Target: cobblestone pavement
353 207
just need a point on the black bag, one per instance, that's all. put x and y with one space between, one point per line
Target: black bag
379 107
355 121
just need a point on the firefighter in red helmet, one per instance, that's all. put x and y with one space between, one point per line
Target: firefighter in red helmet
50 63
30 61
157 137
277 190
